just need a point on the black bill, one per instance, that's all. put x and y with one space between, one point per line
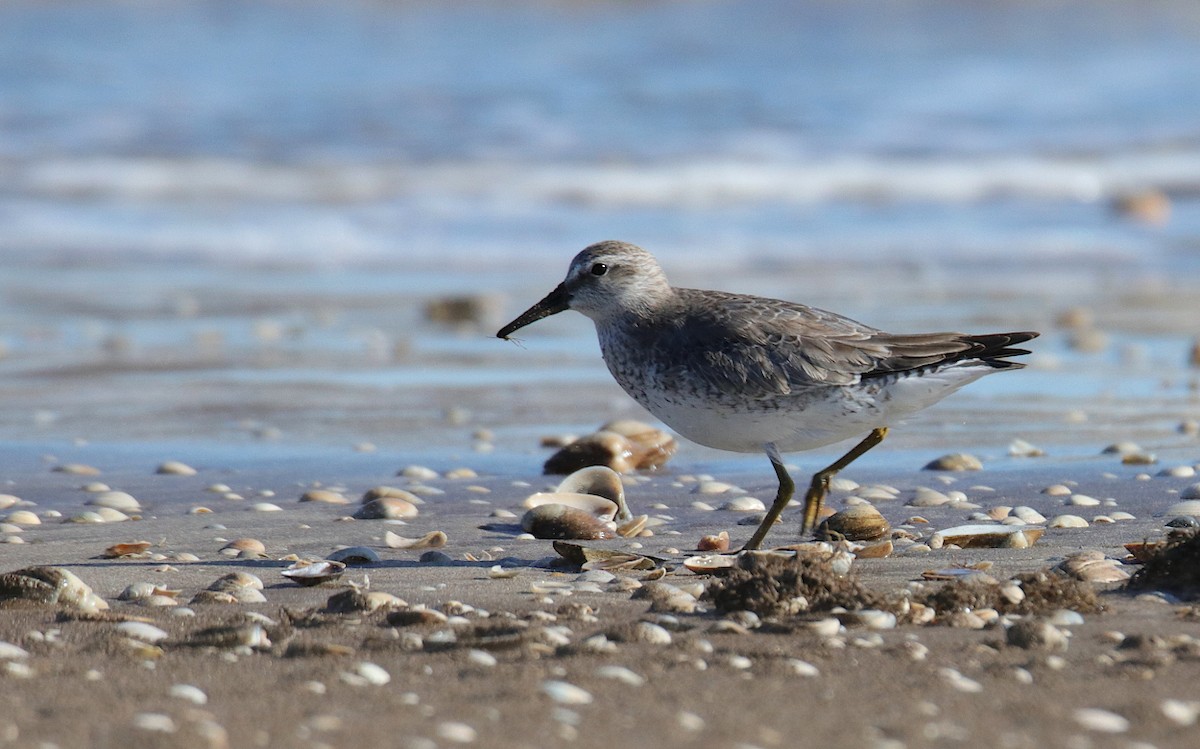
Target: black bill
556 301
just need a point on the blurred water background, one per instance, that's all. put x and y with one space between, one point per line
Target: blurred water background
216 216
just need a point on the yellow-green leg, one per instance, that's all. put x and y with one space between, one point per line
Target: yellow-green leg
816 490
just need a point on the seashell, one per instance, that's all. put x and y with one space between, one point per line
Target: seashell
115 500
23 517
76 469
314 573
954 462
175 468
358 600
387 508
111 515
1068 521
1188 506
127 549
565 693
142 631
855 523
50 585
325 496
144 590
230 636
1144 551
652 447
565 522
8 500
711 564
251 547
391 491
743 504
236 580
354 555
592 504
1092 567
878 550
1036 634
634 527
719 542
1100 721
597 449
415 617
600 481
987 536
431 540
591 558
418 473
1019 448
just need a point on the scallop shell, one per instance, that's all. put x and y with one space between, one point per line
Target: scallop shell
855 523
562 521
314 573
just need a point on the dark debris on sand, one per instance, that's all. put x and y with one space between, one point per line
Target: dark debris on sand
1174 568
769 585
1045 591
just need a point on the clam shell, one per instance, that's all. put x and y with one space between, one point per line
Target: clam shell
601 481
855 523
601 448
652 447
719 542
563 521
127 549
391 491
387 508
711 564
314 573
598 507
50 585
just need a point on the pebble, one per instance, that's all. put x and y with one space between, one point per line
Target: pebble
565 693
1100 721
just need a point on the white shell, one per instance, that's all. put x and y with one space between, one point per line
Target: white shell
314 573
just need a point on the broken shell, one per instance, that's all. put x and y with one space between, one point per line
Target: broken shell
50 585
128 549
387 508
594 505
431 540
987 536
562 521
855 523
1144 551
314 573
354 555
601 481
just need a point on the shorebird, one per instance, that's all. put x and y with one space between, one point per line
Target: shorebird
750 374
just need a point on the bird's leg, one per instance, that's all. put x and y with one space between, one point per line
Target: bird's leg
820 480
782 497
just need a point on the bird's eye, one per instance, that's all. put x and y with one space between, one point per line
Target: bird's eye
599 269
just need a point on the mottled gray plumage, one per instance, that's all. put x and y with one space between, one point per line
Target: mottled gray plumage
749 374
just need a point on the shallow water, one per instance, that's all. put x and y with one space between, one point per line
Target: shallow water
221 222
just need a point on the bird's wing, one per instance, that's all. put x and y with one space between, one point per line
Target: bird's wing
765 347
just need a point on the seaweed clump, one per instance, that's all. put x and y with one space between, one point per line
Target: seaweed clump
773 585
1045 592
1173 568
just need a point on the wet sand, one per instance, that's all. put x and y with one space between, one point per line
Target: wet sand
80 685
